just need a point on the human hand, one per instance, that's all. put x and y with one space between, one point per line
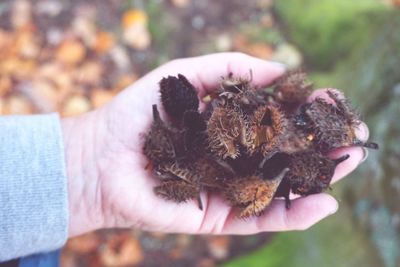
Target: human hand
108 185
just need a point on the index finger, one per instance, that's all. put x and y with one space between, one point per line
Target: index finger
206 72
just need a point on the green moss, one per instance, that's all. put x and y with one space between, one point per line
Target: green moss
325 30
333 242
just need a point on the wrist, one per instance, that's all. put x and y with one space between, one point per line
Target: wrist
84 190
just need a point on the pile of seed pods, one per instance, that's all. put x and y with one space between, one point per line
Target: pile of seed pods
249 145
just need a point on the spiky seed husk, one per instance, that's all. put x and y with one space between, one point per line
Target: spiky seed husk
160 143
225 127
293 87
311 172
252 194
178 95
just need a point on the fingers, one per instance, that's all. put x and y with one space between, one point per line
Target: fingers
205 72
304 212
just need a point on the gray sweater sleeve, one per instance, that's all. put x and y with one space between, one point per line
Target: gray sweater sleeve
33 186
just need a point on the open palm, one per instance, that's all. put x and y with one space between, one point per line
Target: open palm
120 189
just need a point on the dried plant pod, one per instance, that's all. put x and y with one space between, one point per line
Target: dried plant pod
295 139
266 130
310 173
234 85
252 194
160 143
331 125
225 128
293 87
178 95
194 173
184 178
248 145
177 191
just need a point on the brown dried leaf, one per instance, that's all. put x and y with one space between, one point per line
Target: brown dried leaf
76 105
70 52
17 104
21 13
104 42
83 244
135 29
90 73
5 85
122 250
219 247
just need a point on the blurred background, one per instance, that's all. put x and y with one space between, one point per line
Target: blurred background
72 56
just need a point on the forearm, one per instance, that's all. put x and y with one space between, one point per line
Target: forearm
33 186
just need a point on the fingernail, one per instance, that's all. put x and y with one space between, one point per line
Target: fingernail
362 131
278 65
365 154
334 209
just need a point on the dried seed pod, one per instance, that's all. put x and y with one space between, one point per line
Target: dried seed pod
191 174
310 173
180 182
293 87
295 138
234 85
331 125
193 121
160 143
177 190
266 130
195 135
252 194
178 95
225 128
248 145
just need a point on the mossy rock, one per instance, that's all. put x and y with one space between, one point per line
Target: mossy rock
327 31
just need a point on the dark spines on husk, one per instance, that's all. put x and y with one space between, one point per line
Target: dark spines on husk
178 95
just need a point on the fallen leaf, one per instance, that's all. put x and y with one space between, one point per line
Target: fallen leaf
122 250
18 68
6 41
104 42
54 72
84 27
396 3
206 262
134 17
90 73
135 29
26 44
219 247
5 85
17 105
68 260
70 52
260 50
84 244
44 96
21 13
76 105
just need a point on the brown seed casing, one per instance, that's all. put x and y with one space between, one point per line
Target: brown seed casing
249 145
293 88
252 194
178 95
